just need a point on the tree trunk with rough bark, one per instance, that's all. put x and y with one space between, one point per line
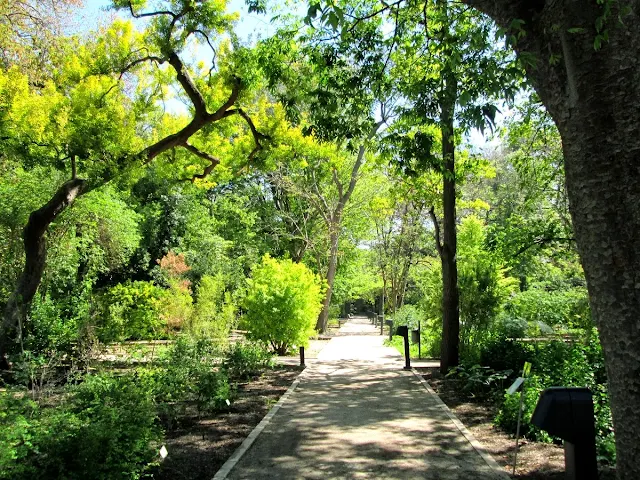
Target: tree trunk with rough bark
594 98
449 356
35 248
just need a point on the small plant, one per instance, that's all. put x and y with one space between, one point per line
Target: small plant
245 360
188 375
479 381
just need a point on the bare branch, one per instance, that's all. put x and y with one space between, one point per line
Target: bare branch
337 182
325 210
540 241
148 58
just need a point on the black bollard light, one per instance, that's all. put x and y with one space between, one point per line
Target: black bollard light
403 331
389 323
568 413
302 356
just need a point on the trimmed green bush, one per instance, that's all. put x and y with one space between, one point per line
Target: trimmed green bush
282 304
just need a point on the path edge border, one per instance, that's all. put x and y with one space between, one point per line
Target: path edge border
235 457
486 456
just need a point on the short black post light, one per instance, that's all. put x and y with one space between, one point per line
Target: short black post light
389 323
403 331
302 356
381 320
567 413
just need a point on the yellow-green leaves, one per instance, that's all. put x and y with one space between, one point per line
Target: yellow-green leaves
282 303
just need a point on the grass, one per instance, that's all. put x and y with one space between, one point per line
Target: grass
398 344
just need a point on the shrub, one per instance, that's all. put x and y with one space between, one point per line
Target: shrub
131 312
408 315
47 330
282 303
214 312
117 436
538 311
555 363
479 381
175 305
507 416
188 374
245 360
104 430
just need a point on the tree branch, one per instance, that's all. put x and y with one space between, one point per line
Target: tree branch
538 242
209 168
338 183
149 14
148 58
189 86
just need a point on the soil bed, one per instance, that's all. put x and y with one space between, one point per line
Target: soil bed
197 449
536 461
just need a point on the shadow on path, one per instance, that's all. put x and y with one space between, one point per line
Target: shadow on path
357 414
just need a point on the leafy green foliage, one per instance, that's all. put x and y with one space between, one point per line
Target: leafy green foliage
106 430
188 375
408 315
483 284
131 312
539 311
214 312
554 363
479 381
282 303
244 360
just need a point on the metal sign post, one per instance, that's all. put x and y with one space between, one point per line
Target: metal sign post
512 389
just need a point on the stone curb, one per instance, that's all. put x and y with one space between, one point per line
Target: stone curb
231 462
467 434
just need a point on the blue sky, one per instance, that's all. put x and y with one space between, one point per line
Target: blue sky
250 28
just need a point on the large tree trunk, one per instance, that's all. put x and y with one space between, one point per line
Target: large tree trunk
449 356
35 248
594 98
323 318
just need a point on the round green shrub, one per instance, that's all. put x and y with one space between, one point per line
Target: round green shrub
282 304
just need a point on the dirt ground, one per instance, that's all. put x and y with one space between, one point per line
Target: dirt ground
536 461
197 449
